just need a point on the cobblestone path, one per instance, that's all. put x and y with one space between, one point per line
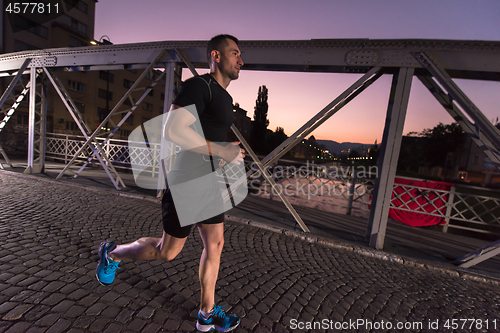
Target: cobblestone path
49 236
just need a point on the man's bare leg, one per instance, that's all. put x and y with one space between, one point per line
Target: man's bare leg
149 248
213 241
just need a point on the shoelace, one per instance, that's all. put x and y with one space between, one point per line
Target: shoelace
218 311
111 266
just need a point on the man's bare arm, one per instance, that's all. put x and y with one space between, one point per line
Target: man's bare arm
177 129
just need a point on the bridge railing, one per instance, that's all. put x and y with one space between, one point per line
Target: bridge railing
62 147
341 189
461 207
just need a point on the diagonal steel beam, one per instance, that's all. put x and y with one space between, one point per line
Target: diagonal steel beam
68 103
14 81
82 125
159 57
184 56
472 130
134 106
349 94
117 126
12 109
250 151
17 101
355 89
456 94
9 112
482 132
479 255
269 179
5 157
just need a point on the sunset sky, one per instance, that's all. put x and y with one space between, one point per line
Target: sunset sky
296 97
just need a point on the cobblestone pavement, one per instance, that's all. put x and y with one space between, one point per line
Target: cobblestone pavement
49 236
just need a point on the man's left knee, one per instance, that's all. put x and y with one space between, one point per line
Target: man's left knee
216 246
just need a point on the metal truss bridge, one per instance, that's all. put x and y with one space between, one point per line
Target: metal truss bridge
434 62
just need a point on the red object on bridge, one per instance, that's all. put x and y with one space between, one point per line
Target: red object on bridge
419 200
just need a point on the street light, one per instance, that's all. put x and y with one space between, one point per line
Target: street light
104 40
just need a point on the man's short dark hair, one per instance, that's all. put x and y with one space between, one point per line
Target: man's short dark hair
218 43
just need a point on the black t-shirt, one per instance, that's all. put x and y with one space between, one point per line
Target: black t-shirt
213 104
214 107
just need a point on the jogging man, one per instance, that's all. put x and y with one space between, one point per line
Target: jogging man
214 109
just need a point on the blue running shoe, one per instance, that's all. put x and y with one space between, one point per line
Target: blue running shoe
218 320
106 268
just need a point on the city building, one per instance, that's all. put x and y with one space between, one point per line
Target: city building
242 121
95 93
471 164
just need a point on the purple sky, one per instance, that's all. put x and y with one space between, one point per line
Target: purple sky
296 97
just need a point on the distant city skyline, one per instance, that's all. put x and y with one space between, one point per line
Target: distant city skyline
296 97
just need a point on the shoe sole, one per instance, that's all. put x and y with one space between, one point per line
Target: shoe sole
101 283
208 328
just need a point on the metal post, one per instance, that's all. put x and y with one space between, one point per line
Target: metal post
31 121
170 89
449 208
36 145
271 191
169 86
389 153
155 156
39 163
351 191
66 150
108 150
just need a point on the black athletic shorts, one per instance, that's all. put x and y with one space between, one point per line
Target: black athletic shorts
170 219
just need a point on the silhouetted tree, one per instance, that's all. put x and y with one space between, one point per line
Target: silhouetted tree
442 139
312 141
261 107
374 152
411 153
354 154
260 122
277 137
